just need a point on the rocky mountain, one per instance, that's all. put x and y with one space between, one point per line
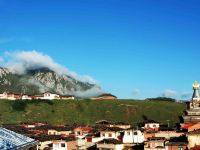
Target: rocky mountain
36 81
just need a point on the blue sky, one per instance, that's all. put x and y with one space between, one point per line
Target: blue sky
133 48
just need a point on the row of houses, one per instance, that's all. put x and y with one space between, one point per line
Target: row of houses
110 136
99 136
50 96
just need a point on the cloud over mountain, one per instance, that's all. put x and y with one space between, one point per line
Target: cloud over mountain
21 61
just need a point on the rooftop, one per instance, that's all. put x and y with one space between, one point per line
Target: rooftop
110 141
12 140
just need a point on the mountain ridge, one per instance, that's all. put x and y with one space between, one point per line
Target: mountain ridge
40 80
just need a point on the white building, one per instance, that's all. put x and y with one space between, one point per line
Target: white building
10 96
26 97
3 95
59 145
133 136
50 96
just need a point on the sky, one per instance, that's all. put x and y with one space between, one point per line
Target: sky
132 48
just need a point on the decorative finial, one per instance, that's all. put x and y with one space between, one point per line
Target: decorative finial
196 85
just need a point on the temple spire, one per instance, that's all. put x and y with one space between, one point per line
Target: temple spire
196 90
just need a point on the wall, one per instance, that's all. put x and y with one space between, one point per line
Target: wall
194 140
174 147
168 134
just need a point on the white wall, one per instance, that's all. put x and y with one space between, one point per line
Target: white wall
152 125
131 136
60 145
49 96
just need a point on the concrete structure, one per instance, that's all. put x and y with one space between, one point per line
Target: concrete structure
194 127
176 146
192 114
112 133
82 131
151 125
110 144
64 145
193 138
56 132
168 134
133 136
26 97
10 96
120 125
50 96
67 97
155 143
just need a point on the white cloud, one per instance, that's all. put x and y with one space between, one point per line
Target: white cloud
169 93
136 92
20 61
89 93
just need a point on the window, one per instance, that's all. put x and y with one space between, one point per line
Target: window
62 144
128 133
110 134
135 133
154 125
180 148
56 145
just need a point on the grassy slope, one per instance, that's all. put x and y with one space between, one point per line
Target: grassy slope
87 112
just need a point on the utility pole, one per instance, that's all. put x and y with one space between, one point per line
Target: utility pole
168 123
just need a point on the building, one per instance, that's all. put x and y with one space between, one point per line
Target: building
59 132
177 143
3 95
120 125
133 136
155 143
46 96
26 97
151 125
10 96
64 145
192 114
50 96
176 146
82 131
194 138
67 97
110 144
10 140
112 133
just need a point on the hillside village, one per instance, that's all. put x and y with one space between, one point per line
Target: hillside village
50 96
108 135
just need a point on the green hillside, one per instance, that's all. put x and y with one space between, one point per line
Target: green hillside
87 111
